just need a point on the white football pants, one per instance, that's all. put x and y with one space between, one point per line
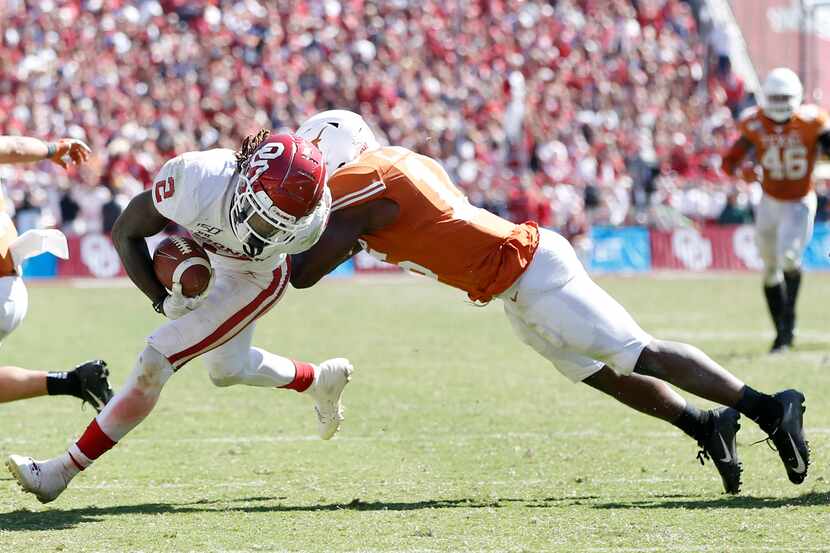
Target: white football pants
557 309
223 324
220 330
15 304
782 230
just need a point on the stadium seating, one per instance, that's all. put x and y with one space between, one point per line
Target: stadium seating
577 110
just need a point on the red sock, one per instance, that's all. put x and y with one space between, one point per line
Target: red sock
91 445
303 377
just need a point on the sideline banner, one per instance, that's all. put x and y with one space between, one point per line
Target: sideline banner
817 256
715 247
91 255
365 263
94 256
726 248
612 250
619 249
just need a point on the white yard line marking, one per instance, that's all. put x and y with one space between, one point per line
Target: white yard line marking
455 439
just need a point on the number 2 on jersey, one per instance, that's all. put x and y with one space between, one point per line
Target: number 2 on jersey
164 189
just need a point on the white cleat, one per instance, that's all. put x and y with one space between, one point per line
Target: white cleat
332 376
45 479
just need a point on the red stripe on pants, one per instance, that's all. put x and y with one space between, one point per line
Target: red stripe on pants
226 327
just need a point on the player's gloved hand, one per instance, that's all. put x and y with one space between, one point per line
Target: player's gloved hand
77 151
177 305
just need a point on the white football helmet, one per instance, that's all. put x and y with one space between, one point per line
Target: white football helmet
340 135
782 94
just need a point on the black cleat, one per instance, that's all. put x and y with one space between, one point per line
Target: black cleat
788 435
782 343
719 445
95 388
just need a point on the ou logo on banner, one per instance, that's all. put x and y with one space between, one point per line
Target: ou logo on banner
99 256
693 250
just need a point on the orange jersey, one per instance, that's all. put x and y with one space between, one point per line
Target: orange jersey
786 152
7 235
438 232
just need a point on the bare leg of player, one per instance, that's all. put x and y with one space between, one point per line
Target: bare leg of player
780 416
645 394
690 369
47 479
134 402
713 430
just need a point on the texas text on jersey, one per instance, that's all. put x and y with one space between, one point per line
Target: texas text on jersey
786 151
438 232
195 190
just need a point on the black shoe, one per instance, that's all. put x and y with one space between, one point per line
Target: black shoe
95 388
781 344
787 434
719 446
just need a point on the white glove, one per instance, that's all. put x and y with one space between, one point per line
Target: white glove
177 305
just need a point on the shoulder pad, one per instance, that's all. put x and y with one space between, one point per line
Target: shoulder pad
749 113
808 112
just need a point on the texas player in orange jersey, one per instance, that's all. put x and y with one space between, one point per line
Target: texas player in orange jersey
786 138
403 208
88 381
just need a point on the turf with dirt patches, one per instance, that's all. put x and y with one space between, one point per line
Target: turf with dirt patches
457 438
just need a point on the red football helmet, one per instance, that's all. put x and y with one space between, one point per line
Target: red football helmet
282 193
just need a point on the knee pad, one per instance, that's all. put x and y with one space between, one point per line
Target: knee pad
791 262
152 371
10 318
226 367
221 378
223 372
14 305
773 276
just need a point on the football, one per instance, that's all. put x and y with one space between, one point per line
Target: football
182 260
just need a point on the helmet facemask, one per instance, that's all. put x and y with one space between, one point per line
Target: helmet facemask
781 107
258 223
782 94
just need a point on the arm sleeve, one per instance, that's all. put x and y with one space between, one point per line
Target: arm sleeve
355 185
735 154
748 125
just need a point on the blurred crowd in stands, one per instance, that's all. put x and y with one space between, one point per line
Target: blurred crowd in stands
570 112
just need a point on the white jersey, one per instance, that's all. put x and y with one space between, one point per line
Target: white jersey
195 190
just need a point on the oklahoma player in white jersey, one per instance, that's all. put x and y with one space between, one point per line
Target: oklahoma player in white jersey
403 207
786 137
249 209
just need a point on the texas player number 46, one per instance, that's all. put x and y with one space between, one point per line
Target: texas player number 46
788 162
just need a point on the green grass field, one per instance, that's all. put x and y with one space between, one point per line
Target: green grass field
457 437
